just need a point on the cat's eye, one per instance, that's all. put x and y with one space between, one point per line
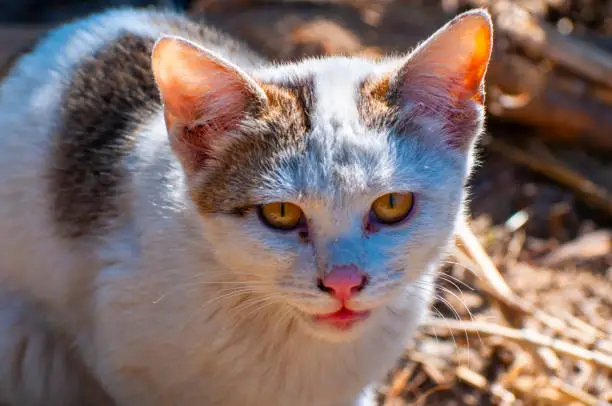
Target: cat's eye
392 207
281 215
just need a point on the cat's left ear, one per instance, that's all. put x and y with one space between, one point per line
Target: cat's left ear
205 97
443 79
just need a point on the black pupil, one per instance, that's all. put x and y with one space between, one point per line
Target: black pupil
282 209
392 200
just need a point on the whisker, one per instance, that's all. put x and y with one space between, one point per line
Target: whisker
194 284
257 306
232 293
444 318
471 316
422 285
452 279
464 266
283 315
434 329
462 301
254 301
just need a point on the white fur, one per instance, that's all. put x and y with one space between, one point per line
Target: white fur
150 305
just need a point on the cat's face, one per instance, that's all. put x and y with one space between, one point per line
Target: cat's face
330 186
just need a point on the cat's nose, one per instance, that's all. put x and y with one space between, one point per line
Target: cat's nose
343 281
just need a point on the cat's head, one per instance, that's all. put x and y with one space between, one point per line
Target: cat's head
329 185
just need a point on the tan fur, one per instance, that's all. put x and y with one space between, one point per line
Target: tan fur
280 126
376 107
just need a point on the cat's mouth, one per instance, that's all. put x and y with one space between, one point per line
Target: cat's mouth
343 319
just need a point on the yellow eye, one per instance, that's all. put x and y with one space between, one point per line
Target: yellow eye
281 215
392 207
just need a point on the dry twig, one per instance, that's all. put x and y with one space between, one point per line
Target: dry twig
478 381
492 282
523 336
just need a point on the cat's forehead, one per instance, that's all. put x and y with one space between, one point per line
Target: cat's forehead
313 141
340 156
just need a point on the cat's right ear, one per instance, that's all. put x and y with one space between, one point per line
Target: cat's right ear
443 79
204 97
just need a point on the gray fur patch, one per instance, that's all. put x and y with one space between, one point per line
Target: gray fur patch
109 96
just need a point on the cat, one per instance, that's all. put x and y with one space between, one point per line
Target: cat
185 223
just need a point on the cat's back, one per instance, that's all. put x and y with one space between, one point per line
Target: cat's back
72 113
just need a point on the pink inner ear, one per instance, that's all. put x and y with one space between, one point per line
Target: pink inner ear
444 78
204 97
459 117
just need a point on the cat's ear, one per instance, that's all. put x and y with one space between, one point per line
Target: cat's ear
204 97
444 77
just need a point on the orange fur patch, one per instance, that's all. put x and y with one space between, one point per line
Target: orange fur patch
375 104
241 165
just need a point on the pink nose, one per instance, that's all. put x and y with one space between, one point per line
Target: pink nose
343 281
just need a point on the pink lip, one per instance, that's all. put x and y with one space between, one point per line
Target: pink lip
343 319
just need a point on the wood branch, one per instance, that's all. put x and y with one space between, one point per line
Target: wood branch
571 104
563 108
542 41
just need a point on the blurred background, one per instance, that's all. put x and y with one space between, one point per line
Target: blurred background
524 308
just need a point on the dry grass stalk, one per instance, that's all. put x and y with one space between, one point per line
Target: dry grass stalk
478 381
523 336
